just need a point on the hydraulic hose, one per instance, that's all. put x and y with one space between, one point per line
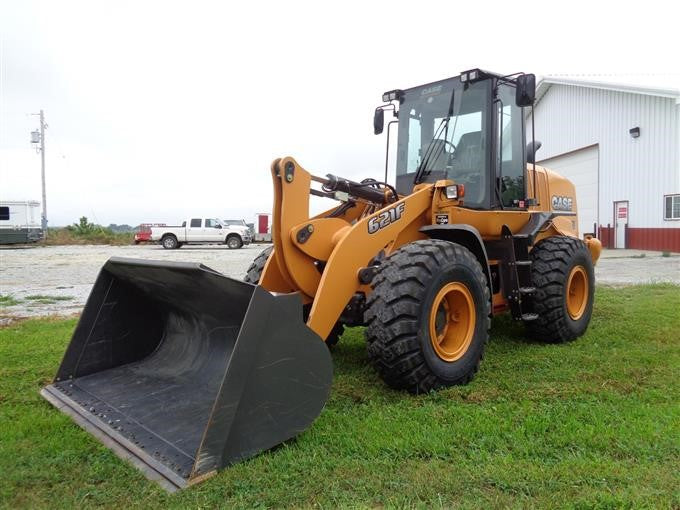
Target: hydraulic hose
367 191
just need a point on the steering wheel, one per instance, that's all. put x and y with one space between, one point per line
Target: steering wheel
447 142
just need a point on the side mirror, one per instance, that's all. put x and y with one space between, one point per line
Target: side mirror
378 121
526 90
218 226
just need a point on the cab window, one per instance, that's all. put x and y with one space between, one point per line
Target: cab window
510 145
195 223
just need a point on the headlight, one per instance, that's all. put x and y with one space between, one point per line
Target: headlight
455 191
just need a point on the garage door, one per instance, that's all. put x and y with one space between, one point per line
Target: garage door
581 168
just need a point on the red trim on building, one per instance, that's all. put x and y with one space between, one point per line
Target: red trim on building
657 239
606 236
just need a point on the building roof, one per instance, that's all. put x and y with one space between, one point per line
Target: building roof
635 87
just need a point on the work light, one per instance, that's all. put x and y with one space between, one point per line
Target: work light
392 95
470 76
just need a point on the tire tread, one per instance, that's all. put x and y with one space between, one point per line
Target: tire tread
393 309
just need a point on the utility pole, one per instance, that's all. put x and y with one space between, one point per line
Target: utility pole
41 137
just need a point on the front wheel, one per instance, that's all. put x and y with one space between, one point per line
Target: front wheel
428 316
234 242
562 272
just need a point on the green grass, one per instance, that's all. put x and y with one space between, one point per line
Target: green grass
46 299
63 236
8 300
591 424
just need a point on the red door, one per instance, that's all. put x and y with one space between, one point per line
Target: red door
262 224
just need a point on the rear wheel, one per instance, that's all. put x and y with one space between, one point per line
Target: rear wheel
428 316
234 242
562 272
170 242
253 276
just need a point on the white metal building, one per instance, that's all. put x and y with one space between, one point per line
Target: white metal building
620 146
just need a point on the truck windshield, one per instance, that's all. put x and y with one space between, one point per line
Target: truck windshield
453 149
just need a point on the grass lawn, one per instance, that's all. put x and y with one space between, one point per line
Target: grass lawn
594 423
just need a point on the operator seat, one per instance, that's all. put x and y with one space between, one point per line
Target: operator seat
468 165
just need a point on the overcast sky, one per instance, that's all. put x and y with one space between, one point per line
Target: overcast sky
160 110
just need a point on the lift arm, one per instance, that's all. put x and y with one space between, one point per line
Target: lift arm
321 257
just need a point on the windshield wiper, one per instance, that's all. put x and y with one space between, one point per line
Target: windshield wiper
422 169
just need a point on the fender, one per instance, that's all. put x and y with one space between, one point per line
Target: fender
467 236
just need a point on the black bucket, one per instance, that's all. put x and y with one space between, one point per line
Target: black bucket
182 370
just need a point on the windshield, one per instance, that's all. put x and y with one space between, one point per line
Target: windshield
447 149
242 223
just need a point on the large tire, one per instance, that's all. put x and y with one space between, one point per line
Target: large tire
253 276
233 241
408 341
169 242
254 272
562 272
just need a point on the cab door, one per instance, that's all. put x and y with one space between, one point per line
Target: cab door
510 154
213 230
194 230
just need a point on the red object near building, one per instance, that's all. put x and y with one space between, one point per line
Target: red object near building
263 224
144 233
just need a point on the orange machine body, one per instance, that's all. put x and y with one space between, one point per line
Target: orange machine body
322 257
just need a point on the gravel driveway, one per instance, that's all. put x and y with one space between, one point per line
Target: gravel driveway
57 279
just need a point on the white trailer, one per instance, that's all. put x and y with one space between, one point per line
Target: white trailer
20 222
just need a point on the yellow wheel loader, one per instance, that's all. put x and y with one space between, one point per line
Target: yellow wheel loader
183 371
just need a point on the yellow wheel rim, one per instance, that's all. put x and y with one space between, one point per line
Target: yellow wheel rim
577 292
452 321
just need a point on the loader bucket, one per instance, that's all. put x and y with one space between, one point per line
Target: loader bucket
183 371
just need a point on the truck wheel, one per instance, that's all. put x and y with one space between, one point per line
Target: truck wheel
428 316
562 272
169 242
233 241
253 276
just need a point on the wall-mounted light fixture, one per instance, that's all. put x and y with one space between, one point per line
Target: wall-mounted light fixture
634 132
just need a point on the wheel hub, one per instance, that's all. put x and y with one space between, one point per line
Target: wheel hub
452 321
577 292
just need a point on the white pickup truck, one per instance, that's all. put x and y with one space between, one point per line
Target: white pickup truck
201 231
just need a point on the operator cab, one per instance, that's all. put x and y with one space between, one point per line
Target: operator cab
469 129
